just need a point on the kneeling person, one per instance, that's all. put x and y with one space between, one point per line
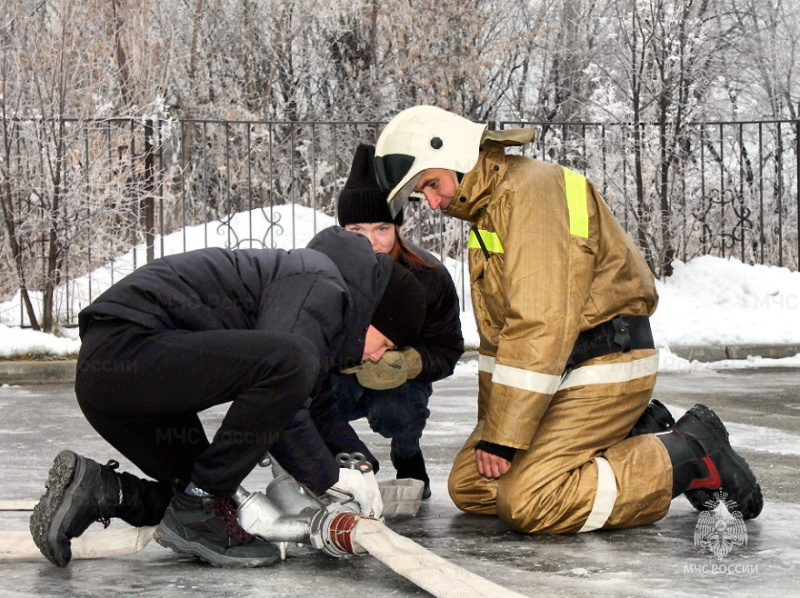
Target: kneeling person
567 363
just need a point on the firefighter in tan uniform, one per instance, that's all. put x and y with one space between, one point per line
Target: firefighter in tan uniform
567 362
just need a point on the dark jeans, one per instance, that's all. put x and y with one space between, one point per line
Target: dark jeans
399 413
142 390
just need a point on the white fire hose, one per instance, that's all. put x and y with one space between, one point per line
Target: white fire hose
18 545
286 513
429 571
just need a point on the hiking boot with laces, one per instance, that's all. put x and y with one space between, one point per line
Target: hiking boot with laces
208 528
704 462
79 492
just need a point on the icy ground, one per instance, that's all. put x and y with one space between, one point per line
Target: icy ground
760 406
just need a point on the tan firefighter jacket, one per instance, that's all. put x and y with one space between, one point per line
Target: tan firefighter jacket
548 260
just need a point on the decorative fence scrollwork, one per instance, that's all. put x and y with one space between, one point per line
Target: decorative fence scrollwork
127 183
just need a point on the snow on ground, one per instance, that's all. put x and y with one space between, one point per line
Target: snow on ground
707 301
711 301
16 341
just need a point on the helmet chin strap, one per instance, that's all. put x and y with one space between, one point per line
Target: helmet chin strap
396 205
400 199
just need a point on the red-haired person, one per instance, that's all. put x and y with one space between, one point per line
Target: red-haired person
393 392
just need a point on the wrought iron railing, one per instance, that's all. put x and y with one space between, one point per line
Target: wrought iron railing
79 195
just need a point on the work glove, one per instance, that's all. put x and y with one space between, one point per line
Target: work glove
373 496
362 487
391 371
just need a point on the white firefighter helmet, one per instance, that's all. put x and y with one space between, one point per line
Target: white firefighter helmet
419 138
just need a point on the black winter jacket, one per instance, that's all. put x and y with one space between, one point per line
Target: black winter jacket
441 342
326 293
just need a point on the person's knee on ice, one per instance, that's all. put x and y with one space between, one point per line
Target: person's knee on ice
464 496
456 489
532 511
469 491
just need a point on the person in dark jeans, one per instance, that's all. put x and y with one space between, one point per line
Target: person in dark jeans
261 330
393 392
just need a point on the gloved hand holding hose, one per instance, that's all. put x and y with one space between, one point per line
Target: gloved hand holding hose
363 487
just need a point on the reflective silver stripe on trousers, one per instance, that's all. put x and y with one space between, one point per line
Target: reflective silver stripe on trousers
604 498
601 373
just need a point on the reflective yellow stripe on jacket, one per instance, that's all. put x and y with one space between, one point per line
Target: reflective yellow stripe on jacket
490 240
575 185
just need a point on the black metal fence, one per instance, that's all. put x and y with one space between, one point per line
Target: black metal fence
726 188
77 194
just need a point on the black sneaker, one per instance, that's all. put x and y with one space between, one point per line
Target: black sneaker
79 492
208 528
726 469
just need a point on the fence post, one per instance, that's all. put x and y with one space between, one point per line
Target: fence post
149 191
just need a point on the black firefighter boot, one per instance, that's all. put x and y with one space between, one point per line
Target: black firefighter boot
703 462
413 467
656 418
79 492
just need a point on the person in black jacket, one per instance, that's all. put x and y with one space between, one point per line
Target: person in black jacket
259 329
393 392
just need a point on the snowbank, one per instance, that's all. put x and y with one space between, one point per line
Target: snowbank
707 301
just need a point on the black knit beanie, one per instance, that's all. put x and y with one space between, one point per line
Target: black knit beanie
361 199
401 311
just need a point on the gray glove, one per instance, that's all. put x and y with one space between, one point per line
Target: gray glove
391 371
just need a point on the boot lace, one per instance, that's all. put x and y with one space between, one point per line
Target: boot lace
106 521
226 510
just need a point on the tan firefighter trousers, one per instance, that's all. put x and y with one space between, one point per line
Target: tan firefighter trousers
581 472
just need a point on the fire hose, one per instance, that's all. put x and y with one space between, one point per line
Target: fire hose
286 513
